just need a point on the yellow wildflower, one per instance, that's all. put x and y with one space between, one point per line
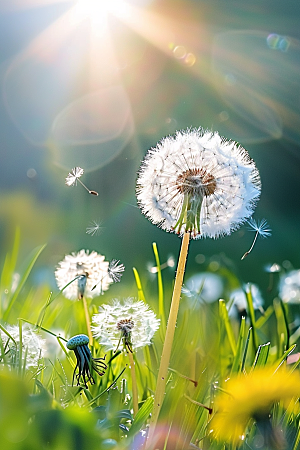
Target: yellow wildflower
252 396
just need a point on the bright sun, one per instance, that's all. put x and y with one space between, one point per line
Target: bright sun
95 10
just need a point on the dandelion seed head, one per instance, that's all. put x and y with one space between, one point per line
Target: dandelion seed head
198 181
89 268
289 287
129 316
33 346
73 176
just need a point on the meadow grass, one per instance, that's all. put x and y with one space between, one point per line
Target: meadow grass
41 409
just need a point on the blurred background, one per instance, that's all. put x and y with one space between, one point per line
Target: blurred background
95 84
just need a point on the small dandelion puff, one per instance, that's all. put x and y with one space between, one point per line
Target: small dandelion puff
289 287
78 275
85 363
33 346
94 229
198 182
131 322
74 176
261 228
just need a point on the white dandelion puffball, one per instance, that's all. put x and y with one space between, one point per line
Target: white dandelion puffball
198 181
238 300
204 287
106 324
33 346
289 287
89 272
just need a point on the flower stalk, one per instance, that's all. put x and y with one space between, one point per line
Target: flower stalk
87 320
166 352
134 384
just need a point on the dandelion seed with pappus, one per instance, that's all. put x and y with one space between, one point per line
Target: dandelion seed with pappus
74 176
94 229
85 363
261 228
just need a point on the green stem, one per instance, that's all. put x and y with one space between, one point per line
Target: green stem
87 319
166 352
134 384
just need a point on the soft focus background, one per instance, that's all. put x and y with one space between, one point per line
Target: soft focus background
96 83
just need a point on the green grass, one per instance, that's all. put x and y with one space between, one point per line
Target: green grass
39 407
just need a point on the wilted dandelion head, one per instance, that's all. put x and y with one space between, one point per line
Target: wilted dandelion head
251 396
197 181
89 272
33 346
85 363
289 287
131 322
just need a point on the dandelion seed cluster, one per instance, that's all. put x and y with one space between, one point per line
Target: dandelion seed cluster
198 181
92 270
33 346
110 322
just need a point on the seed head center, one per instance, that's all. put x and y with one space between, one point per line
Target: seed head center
125 326
196 182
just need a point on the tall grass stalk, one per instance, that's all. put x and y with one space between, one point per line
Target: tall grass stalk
167 347
134 384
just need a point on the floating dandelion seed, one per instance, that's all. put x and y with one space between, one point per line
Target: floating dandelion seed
86 364
74 176
95 228
261 229
198 182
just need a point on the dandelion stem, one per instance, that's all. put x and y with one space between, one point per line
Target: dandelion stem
85 187
166 352
134 384
87 319
250 249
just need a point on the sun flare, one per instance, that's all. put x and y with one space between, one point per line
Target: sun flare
95 10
